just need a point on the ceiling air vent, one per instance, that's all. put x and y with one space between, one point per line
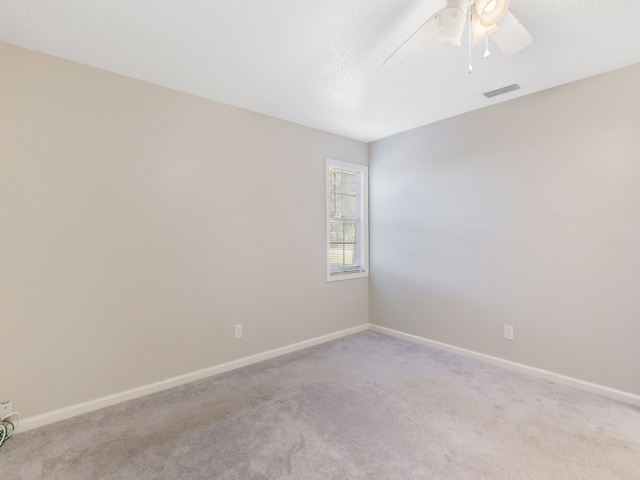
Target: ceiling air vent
500 91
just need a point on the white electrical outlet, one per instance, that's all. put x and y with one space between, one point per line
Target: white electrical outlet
6 408
508 332
238 331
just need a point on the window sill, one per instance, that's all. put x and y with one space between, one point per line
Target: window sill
346 276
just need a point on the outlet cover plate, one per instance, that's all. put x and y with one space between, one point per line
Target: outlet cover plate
6 408
508 332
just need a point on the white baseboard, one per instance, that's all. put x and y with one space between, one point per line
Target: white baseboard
80 408
517 367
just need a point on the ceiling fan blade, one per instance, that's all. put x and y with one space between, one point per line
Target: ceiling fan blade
417 38
512 36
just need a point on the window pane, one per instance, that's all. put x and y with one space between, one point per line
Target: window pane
338 181
350 255
337 206
337 233
350 207
349 232
336 256
350 183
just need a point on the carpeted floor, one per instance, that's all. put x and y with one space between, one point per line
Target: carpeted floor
366 406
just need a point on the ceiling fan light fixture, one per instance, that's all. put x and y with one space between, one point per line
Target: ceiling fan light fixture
490 12
454 39
452 21
479 31
490 6
454 16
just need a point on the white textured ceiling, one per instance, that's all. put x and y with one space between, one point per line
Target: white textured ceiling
319 62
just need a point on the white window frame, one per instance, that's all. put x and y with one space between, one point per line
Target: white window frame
363 222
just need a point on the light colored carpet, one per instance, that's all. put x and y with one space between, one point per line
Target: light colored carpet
366 406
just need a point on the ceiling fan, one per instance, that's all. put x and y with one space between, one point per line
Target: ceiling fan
487 18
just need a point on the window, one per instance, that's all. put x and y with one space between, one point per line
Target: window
347 223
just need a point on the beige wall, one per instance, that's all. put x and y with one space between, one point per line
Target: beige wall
139 224
525 213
